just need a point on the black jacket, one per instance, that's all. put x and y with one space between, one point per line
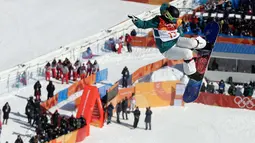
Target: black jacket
148 114
19 141
50 88
137 113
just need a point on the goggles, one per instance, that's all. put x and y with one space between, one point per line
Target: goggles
169 16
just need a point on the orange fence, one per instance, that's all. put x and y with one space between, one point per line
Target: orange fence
226 101
122 93
75 87
69 138
90 101
145 70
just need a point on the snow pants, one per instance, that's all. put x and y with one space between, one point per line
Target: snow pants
54 73
65 78
183 50
47 75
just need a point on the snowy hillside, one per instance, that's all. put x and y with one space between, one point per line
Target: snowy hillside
39 27
114 62
194 123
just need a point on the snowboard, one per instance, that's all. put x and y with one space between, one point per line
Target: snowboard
192 89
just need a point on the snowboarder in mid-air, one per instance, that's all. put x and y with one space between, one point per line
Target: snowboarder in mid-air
169 40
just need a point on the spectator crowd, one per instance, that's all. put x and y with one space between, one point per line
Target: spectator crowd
66 71
234 89
122 107
232 26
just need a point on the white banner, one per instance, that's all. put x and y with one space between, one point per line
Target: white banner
180 88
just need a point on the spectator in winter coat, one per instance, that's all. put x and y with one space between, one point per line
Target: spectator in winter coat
109 113
147 120
203 87
70 69
77 65
232 90
239 91
119 45
29 111
215 65
64 125
83 121
132 102
118 110
50 89
54 68
136 117
72 123
221 87
59 69
89 67
55 119
133 33
124 108
34 139
19 140
125 76
83 72
6 111
75 73
210 88
65 72
44 121
47 71
95 67
128 40
37 90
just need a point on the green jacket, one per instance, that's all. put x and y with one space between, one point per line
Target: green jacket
153 23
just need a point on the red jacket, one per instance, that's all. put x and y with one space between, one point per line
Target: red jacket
128 39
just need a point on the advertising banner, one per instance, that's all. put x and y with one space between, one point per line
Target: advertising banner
62 95
101 75
137 74
157 65
155 94
226 101
103 90
112 92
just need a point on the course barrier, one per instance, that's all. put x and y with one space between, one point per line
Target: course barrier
155 94
76 87
226 101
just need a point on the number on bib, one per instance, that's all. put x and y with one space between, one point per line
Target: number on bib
172 34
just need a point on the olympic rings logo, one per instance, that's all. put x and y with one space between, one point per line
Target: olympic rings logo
244 102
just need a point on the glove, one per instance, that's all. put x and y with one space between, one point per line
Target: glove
133 18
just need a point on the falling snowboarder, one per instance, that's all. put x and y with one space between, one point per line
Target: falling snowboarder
169 41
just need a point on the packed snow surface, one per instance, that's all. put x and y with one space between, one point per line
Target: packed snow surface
192 123
34 28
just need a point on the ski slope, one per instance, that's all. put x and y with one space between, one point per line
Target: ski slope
192 123
113 61
41 26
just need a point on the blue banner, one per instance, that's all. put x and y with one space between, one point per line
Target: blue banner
62 95
101 75
102 90
234 48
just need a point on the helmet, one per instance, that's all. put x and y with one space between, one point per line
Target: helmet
169 12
